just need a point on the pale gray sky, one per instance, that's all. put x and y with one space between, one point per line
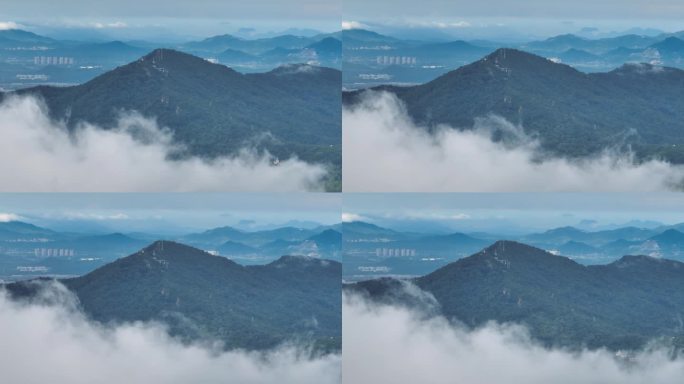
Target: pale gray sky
514 212
504 20
169 212
129 19
556 9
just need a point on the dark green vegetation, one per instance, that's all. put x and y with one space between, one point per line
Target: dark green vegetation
621 305
201 296
213 110
636 107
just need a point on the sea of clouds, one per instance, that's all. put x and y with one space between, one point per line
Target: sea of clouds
384 150
396 344
39 154
50 341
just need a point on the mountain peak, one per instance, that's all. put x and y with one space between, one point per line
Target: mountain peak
297 261
512 248
669 236
164 248
295 69
639 69
512 55
564 230
568 37
510 59
670 43
166 55
630 261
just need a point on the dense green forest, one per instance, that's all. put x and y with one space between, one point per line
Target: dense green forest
212 110
205 297
621 305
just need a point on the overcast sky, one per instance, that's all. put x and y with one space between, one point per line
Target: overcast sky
558 9
516 212
514 20
154 18
170 213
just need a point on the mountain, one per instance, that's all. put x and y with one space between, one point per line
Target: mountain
117 51
232 56
220 235
361 230
447 244
232 248
621 305
202 296
213 110
327 46
565 42
215 43
669 237
640 107
221 43
561 43
11 230
573 55
14 38
329 237
670 45
358 37
576 248
453 50
114 242
257 247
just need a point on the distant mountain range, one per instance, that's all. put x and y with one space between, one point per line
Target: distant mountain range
213 110
620 306
372 59
29 59
29 251
250 55
205 297
573 114
373 251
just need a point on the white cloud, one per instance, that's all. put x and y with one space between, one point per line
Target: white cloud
439 24
91 216
114 25
5 25
352 25
7 217
387 344
349 217
39 155
53 343
384 151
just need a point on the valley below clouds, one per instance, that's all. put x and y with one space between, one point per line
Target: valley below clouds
40 155
384 150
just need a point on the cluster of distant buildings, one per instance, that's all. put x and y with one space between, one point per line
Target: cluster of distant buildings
53 252
39 77
53 60
395 252
396 60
